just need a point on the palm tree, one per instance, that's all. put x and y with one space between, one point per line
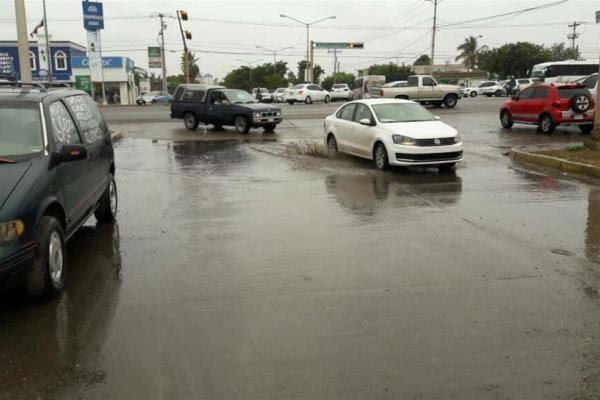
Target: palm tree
468 52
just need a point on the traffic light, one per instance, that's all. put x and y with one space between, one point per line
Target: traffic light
188 35
357 45
184 15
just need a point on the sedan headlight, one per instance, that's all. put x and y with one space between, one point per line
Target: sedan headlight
256 115
404 140
11 230
457 138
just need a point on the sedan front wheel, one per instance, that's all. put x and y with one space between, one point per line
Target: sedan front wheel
381 157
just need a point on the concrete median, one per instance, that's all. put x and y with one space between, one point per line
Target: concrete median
526 156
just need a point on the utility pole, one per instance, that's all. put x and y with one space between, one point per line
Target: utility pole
311 71
573 36
23 42
163 26
435 4
48 53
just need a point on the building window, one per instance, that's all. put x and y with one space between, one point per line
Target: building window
60 61
32 63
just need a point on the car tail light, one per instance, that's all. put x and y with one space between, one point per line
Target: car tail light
556 103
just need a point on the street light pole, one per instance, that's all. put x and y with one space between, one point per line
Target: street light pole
23 43
274 51
309 61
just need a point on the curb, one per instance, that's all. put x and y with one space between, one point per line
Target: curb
116 136
571 167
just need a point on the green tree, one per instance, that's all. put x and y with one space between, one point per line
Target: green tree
340 77
424 59
559 52
265 75
468 53
513 59
192 62
392 72
317 72
173 81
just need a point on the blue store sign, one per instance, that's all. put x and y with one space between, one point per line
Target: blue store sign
93 15
107 62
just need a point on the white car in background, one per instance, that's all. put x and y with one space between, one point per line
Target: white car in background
392 132
591 82
279 95
486 87
307 93
524 83
341 91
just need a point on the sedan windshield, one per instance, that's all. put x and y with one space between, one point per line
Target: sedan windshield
239 96
20 130
401 112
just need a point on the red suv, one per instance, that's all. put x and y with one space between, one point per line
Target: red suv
550 105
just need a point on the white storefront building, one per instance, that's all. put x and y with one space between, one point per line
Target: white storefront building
117 74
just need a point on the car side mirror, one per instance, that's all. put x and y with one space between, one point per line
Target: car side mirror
69 153
366 121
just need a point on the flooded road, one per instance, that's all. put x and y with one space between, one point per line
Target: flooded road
248 271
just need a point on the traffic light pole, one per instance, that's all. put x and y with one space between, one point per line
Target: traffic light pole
186 66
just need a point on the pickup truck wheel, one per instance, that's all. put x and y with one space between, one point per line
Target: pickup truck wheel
107 209
190 121
498 93
506 119
269 128
450 100
241 124
46 276
308 100
473 94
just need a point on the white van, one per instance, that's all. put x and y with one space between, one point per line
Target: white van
363 85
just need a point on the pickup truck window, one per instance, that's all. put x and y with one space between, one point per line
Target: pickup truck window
195 96
178 93
412 81
239 96
427 81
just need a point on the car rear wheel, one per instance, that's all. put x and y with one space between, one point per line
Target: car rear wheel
332 148
586 128
381 157
308 100
506 119
498 93
190 121
450 101
46 276
241 125
107 209
547 125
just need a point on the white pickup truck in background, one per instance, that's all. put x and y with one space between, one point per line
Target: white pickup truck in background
424 89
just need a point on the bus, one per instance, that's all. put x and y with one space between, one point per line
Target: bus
563 71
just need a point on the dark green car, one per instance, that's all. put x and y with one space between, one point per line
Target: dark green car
56 169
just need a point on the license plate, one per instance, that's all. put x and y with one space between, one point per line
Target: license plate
271 120
578 116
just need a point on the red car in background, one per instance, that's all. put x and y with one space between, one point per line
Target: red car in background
550 105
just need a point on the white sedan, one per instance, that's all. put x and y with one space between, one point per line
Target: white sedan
307 93
341 91
392 132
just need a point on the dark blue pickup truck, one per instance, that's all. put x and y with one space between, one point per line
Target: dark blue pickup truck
219 106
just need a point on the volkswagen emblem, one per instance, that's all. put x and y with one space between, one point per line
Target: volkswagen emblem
437 142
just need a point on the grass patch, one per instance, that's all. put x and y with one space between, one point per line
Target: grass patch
576 154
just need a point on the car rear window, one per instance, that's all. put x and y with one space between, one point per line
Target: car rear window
568 92
339 86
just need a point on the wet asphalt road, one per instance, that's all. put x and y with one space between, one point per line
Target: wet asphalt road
248 269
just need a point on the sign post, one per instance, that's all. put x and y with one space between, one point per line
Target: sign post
93 22
154 57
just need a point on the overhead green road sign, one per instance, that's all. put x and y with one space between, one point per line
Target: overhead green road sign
341 45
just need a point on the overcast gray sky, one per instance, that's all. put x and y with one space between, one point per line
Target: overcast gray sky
391 30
